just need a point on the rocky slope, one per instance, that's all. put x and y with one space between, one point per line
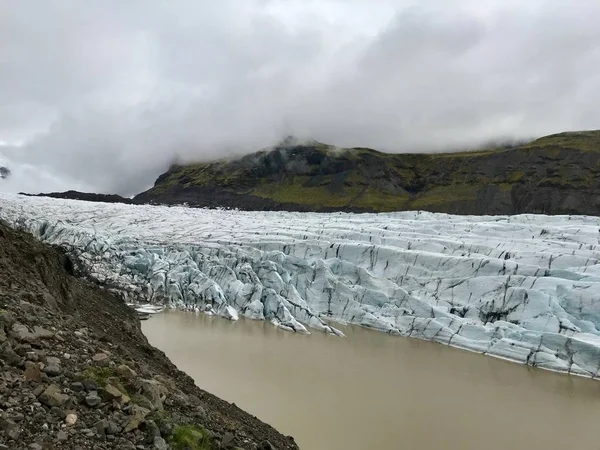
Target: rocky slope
76 372
556 174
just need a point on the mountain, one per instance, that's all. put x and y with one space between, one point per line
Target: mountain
86 196
556 174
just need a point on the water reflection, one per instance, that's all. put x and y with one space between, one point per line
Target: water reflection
374 391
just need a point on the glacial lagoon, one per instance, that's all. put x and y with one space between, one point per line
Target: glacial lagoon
371 390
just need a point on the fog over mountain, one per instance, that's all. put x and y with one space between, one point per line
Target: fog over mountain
103 95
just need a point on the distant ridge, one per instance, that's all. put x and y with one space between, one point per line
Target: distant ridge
556 174
86 196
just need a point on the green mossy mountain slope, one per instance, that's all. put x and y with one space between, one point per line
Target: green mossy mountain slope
557 174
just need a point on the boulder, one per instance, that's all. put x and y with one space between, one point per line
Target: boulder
89 385
101 359
126 372
160 444
71 419
10 428
33 372
92 399
53 396
8 354
52 368
110 393
153 391
138 414
112 428
22 333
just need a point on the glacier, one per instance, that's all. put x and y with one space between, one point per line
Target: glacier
524 288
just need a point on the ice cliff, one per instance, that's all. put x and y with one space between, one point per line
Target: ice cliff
524 288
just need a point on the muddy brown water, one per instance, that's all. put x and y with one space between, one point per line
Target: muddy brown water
375 391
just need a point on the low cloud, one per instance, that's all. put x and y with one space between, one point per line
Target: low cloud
104 95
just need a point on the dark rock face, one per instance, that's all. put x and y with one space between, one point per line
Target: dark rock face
4 172
77 372
558 174
85 196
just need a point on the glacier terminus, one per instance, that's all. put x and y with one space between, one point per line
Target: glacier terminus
524 288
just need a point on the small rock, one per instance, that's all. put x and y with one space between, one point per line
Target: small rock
101 427
42 333
53 361
92 399
9 355
35 446
137 417
52 370
89 385
38 390
227 440
142 401
200 412
53 396
22 349
71 419
22 333
77 386
110 393
58 412
166 429
10 428
266 445
112 428
33 372
126 372
151 430
160 444
13 433
124 399
62 436
153 391
101 359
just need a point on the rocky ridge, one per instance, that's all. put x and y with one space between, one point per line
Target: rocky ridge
85 196
77 373
558 174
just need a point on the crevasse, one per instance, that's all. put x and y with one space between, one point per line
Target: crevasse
525 288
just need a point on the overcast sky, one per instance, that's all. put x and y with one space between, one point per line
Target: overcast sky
102 95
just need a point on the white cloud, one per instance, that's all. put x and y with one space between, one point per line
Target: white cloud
106 93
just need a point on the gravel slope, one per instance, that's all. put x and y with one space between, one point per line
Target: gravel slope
76 372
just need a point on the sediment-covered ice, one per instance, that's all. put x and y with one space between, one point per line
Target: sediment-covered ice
525 288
